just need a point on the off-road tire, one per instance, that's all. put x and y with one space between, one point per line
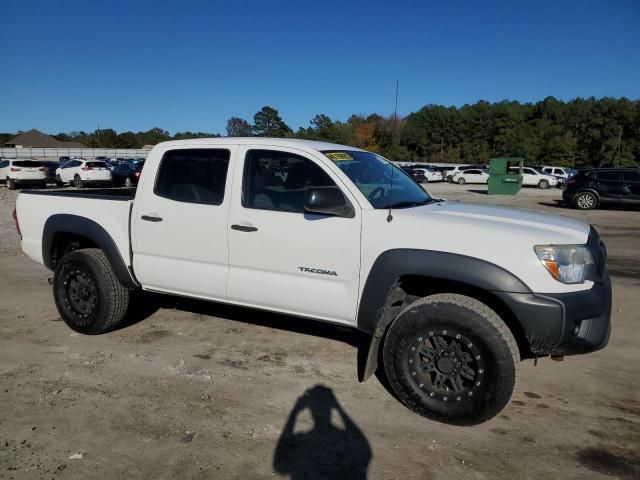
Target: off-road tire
107 299
11 185
493 349
544 184
77 181
585 201
461 181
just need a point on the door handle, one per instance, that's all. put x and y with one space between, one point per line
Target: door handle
148 218
244 228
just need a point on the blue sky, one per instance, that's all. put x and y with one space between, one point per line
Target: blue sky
190 65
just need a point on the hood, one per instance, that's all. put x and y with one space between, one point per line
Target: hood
520 224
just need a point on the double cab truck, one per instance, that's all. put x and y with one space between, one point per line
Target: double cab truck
452 295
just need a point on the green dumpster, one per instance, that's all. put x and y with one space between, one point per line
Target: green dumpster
505 175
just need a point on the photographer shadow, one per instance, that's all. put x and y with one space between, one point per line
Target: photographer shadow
325 451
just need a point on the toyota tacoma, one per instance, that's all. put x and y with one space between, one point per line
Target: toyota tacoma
452 295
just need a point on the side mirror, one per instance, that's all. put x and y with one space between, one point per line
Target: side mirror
327 201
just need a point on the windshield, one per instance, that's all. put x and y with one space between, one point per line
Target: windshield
384 184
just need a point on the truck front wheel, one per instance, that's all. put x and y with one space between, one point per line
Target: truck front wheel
89 297
450 358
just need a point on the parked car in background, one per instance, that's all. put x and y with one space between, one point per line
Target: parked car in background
82 173
561 173
50 170
63 159
449 173
416 174
430 175
473 175
533 178
126 174
606 186
16 173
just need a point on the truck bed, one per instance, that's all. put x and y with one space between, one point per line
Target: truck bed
109 208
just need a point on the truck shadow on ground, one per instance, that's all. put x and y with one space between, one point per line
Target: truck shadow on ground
144 305
326 450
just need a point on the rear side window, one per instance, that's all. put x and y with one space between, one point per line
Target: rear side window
97 164
632 177
193 175
275 180
27 164
608 176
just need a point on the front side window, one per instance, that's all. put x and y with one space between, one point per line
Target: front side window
384 184
193 175
276 180
610 176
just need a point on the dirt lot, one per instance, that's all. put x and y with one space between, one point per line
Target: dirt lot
205 391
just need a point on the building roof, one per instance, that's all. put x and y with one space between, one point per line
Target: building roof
36 139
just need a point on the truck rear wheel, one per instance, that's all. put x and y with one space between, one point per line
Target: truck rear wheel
89 297
450 358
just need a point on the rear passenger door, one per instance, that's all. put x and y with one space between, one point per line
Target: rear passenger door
609 185
179 223
281 257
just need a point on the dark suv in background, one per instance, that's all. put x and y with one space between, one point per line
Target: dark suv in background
605 186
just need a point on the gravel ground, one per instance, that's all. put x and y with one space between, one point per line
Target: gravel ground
206 391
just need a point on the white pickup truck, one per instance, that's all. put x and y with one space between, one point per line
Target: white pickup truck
453 295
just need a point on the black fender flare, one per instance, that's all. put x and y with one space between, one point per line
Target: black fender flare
67 223
391 265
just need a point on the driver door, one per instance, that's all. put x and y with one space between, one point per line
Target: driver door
281 257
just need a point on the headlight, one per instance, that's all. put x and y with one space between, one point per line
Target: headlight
566 263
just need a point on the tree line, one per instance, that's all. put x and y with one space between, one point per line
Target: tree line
581 132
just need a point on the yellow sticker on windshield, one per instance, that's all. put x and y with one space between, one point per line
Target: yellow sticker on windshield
337 156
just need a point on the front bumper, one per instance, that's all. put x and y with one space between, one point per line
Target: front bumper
564 324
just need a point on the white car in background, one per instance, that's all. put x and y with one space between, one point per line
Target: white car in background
14 172
473 175
449 174
430 175
561 173
80 173
533 178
